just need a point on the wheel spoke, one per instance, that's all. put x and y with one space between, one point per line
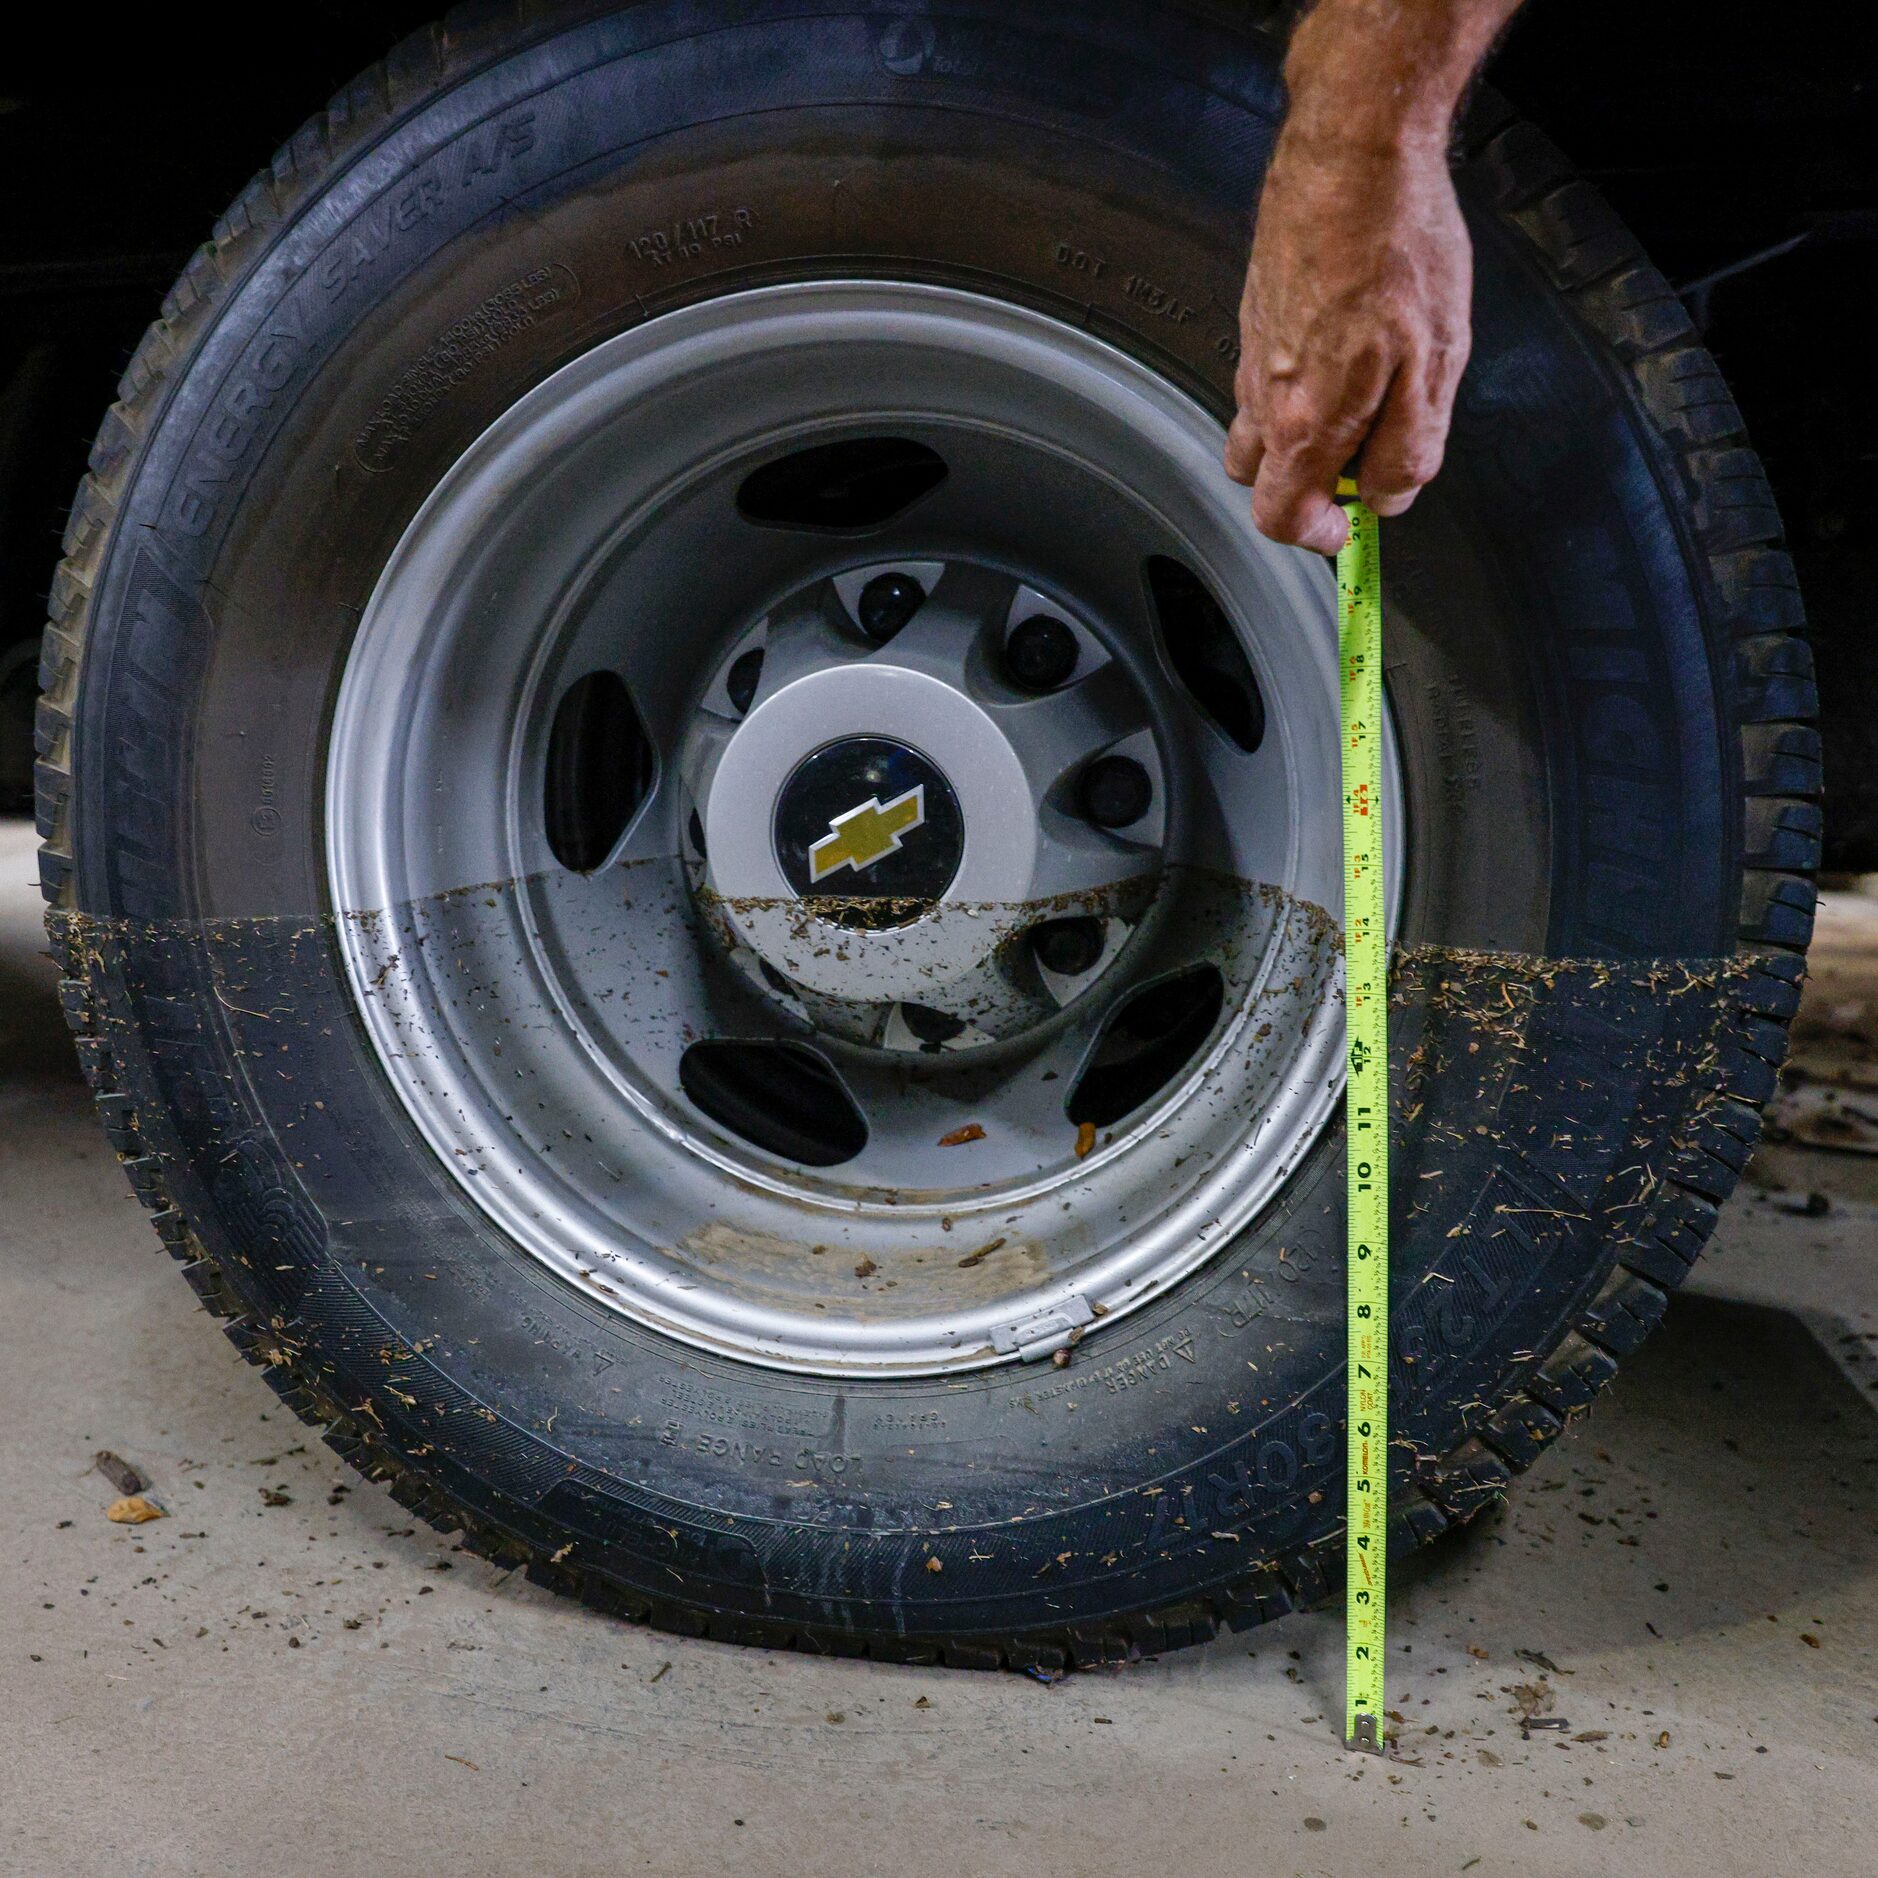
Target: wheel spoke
654 979
957 626
911 1109
1085 869
706 739
657 831
1056 734
802 639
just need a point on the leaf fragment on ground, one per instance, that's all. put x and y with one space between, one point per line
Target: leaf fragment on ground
133 1510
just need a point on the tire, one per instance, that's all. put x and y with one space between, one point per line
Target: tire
1602 708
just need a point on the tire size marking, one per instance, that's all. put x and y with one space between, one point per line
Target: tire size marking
691 237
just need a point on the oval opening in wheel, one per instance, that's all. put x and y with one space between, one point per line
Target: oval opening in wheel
1205 651
780 1097
841 488
599 770
1147 1042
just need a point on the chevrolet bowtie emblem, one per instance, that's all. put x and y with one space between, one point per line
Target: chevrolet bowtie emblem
868 834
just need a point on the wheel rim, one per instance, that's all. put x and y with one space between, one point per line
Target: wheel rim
755 1030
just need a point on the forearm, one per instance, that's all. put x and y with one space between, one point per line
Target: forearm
1385 75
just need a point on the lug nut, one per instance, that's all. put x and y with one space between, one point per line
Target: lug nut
1068 947
741 681
1041 653
1115 791
888 601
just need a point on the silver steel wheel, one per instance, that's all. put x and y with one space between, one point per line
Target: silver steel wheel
833 809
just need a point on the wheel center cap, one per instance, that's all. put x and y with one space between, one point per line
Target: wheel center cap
849 868
869 823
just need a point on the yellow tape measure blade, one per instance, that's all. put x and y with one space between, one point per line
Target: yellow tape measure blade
1366 995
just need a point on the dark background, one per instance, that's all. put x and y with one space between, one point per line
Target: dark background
1719 130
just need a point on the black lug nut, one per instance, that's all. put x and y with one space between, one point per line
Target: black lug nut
1041 653
1068 947
888 601
741 681
1115 791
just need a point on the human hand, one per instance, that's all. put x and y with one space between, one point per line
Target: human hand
1354 330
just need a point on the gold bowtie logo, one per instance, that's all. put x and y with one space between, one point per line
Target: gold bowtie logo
868 834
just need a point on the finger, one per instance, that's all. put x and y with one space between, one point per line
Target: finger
1305 452
1314 429
1404 451
1293 500
1245 448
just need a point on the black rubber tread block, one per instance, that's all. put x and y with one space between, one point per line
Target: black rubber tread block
1572 1376
1623 1313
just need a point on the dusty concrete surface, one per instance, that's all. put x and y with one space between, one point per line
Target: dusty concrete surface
284 1677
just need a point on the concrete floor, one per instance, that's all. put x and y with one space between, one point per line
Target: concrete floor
285 1677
